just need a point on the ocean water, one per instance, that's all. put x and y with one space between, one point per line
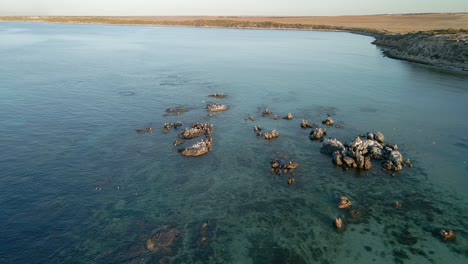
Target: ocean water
79 185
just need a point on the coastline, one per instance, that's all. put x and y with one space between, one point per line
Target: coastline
416 47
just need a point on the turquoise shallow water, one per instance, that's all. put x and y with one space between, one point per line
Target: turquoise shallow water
71 97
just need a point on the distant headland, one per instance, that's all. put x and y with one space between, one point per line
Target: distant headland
438 39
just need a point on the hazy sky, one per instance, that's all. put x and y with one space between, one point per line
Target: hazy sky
227 7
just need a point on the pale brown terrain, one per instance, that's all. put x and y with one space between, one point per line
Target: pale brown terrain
391 23
404 23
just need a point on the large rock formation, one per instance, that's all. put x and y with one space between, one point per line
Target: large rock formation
438 48
359 153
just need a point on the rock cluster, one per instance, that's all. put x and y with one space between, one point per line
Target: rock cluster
283 167
143 131
359 153
216 107
168 126
200 148
305 124
272 134
197 130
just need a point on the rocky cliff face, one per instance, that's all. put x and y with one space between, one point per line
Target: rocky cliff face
445 50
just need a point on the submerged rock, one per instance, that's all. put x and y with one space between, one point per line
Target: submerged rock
249 118
176 111
178 142
163 240
218 95
143 131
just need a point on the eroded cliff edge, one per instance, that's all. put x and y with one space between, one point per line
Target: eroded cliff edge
443 49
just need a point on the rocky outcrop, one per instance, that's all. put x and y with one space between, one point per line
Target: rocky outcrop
289 116
431 48
216 107
328 121
197 130
345 203
281 166
272 134
317 133
198 149
447 235
359 153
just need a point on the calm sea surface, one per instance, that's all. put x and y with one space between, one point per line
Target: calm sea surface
79 185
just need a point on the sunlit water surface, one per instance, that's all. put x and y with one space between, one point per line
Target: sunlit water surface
71 97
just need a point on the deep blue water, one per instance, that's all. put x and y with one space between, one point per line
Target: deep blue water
71 97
